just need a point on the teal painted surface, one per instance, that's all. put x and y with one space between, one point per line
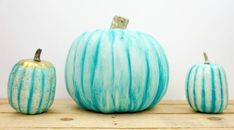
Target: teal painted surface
207 88
116 71
31 90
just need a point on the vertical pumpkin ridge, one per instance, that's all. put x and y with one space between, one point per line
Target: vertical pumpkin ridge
166 71
42 92
77 97
82 67
51 85
144 61
226 88
68 61
130 77
221 91
113 68
132 95
203 93
136 106
187 85
160 67
213 93
91 104
194 89
92 87
122 106
144 86
11 82
31 91
19 89
145 93
164 68
156 68
164 77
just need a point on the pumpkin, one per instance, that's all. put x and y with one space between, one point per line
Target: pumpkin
206 87
116 70
31 85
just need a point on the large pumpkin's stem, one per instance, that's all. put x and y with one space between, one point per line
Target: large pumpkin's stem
37 56
119 22
206 58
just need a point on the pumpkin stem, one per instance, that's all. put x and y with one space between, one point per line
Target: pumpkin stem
119 22
37 56
206 58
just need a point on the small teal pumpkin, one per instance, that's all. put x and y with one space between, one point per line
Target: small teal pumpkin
116 70
206 88
31 85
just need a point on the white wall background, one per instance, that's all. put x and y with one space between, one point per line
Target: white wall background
185 29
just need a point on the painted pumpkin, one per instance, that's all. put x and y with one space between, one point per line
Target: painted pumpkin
31 85
206 87
116 70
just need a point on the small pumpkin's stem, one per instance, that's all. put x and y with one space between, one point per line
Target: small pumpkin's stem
119 22
206 58
37 56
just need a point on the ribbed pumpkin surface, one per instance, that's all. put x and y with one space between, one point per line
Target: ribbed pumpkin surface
31 90
206 88
116 71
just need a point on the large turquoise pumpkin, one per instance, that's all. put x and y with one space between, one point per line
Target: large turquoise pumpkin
116 70
31 86
206 88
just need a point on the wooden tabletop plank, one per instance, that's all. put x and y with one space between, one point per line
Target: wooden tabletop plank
136 120
167 115
67 128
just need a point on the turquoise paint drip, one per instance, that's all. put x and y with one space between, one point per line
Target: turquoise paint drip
213 93
112 40
31 92
164 69
147 81
19 90
194 89
42 92
203 99
11 82
82 73
226 95
52 90
221 91
187 85
130 79
149 48
74 45
77 97
161 84
93 87
132 95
